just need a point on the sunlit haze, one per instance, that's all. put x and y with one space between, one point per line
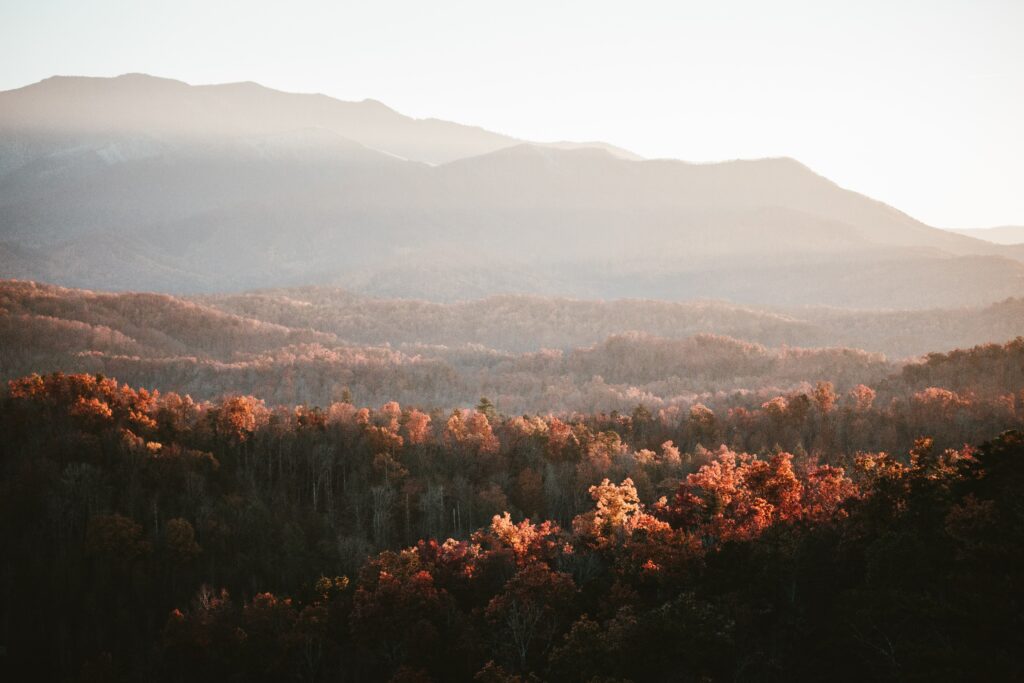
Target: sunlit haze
917 104
511 342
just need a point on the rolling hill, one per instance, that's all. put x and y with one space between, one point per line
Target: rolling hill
310 345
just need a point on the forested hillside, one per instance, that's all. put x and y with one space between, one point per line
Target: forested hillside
315 346
303 490
522 323
147 536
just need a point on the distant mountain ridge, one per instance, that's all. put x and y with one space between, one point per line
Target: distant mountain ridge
144 183
309 345
162 324
1003 234
148 105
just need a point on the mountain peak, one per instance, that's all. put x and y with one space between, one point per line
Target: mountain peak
140 76
139 103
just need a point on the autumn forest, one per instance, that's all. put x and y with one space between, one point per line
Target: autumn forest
154 537
784 509
296 387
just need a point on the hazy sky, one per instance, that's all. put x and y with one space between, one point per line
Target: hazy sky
919 104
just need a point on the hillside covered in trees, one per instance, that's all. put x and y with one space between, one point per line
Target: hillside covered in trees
315 346
147 536
306 484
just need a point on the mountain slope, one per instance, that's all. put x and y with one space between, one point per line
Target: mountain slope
146 105
144 183
1004 234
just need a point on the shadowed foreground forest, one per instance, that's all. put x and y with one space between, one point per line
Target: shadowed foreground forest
147 536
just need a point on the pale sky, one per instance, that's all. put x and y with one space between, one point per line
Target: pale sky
917 103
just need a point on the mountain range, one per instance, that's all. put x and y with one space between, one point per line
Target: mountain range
143 183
